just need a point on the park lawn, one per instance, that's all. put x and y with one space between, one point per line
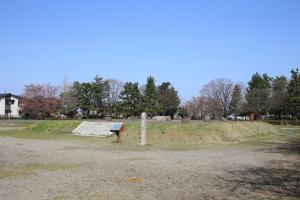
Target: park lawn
177 135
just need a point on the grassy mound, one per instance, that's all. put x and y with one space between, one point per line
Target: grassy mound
39 129
157 133
16 123
201 133
55 126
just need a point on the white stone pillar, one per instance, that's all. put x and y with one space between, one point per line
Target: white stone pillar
144 129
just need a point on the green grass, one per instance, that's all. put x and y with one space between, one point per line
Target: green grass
45 129
29 169
175 135
16 123
202 133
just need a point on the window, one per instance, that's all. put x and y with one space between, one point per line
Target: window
9 102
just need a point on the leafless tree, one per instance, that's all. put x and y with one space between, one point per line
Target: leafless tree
196 107
41 90
41 100
70 99
219 93
142 89
116 87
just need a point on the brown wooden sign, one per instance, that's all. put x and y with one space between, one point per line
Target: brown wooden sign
118 128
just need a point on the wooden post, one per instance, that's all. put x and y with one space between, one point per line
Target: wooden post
144 129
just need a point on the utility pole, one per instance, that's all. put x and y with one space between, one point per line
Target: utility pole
65 85
4 89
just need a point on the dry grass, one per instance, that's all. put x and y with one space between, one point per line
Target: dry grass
168 134
202 133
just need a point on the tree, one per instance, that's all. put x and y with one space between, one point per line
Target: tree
236 100
101 89
258 93
196 107
219 94
92 97
168 99
278 96
150 98
129 100
70 100
41 100
85 95
293 94
183 112
116 87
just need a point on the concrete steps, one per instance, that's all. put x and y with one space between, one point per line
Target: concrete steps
101 129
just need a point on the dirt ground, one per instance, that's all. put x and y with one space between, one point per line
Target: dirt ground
42 169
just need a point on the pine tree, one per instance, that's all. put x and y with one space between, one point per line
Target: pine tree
258 93
91 96
293 94
168 99
235 104
150 98
278 96
129 100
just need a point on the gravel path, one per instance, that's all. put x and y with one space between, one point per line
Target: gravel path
208 173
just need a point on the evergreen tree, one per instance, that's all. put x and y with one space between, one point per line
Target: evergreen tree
278 96
168 99
129 100
100 89
236 100
258 93
150 98
293 94
91 96
183 111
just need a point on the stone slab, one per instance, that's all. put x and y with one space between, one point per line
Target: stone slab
101 129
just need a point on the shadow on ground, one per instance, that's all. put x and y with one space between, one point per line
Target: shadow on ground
278 179
291 146
274 182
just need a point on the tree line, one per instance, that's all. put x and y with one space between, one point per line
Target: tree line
100 98
264 96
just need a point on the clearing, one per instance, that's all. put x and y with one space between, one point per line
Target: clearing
220 160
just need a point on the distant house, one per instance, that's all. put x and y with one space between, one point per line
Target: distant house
9 106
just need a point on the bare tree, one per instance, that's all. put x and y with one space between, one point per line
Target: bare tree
219 92
115 88
42 90
196 107
41 100
142 89
70 99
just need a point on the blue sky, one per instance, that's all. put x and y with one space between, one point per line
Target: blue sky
185 42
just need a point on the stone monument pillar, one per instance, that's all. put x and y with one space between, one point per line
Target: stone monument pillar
144 129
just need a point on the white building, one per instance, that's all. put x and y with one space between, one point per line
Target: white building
9 106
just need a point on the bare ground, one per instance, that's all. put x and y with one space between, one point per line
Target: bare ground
41 169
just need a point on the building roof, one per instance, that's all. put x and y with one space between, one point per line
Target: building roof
7 95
